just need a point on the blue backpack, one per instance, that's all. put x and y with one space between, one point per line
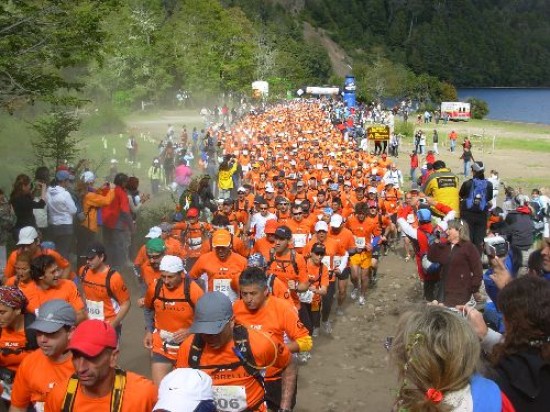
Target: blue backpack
477 198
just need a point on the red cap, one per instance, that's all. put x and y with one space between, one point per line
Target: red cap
271 226
92 336
192 212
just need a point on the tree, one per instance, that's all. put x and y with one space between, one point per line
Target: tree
55 143
40 41
479 108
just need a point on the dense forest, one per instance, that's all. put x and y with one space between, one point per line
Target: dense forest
465 42
124 52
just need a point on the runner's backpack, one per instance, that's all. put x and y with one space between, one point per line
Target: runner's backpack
477 198
186 293
292 260
429 267
107 285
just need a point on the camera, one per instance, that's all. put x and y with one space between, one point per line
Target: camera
495 246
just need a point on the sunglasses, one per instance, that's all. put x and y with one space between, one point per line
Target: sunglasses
154 256
263 208
298 214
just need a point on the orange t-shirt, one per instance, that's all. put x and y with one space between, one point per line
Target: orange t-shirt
223 276
65 290
300 233
171 313
148 274
283 268
173 247
61 262
263 246
98 302
362 231
334 251
245 388
16 341
37 376
140 395
318 277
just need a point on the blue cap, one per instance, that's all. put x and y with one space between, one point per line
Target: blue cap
424 215
62 175
257 260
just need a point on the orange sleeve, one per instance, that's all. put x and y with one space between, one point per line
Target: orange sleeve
21 393
240 247
120 291
302 269
10 265
182 360
195 292
141 257
73 296
148 299
293 327
198 268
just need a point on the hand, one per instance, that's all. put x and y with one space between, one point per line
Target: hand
148 340
475 319
180 335
500 275
141 302
368 247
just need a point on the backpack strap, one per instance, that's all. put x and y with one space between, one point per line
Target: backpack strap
186 293
70 394
243 350
30 334
107 285
270 283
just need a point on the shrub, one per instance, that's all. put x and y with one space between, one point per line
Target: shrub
479 108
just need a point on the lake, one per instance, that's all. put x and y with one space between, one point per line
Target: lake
513 104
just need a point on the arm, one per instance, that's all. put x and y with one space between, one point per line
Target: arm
407 228
124 309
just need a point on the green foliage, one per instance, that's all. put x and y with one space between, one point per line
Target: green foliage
55 142
404 128
479 108
44 45
447 93
104 120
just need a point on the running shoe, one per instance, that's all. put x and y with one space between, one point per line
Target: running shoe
315 332
354 293
361 300
339 312
327 327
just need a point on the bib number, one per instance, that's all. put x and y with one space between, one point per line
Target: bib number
326 261
337 260
230 398
224 286
95 309
360 242
299 240
195 243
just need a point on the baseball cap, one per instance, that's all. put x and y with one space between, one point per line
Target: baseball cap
372 190
87 177
319 249
270 226
221 238
62 175
183 389
269 189
241 190
321 225
283 232
336 220
424 215
154 232
281 199
155 245
165 227
478 166
27 235
192 212
95 249
172 264
53 315
92 336
300 183
228 202
257 260
212 312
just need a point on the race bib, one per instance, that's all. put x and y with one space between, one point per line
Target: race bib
195 243
306 297
231 229
230 398
39 406
300 240
359 242
95 309
224 286
337 260
326 261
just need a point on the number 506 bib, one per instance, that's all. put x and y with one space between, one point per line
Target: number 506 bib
230 398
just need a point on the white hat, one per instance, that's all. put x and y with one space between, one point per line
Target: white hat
372 190
183 389
269 189
336 220
321 225
114 161
172 264
27 235
154 232
241 189
87 177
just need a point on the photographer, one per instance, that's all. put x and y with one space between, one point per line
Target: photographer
227 169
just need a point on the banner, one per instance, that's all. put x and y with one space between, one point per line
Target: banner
378 133
349 91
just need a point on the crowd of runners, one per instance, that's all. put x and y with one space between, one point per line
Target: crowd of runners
254 264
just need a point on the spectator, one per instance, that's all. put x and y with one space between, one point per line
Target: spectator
467 157
452 137
61 209
414 165
156 176
22 201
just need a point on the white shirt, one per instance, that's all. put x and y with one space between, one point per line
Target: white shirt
258 222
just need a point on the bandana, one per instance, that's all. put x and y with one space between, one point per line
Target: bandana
12 297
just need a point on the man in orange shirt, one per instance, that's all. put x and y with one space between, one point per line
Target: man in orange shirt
233 355
288 265
106 295
222 267
193 234
47 286
300 228
39 372
169 309
265 244
29 241
98 385
259 311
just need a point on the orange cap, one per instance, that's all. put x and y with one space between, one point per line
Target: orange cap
270 226
221 238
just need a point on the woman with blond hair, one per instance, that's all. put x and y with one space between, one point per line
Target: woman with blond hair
461 269
437 354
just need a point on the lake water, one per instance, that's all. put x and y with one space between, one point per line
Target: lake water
514 104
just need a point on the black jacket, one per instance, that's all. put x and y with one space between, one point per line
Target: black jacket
525 379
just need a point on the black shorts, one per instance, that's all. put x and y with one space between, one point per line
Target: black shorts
345 274
393 218
273 392
158 358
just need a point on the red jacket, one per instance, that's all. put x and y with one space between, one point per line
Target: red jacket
117 214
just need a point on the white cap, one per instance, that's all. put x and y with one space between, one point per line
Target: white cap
183 389
269 189
154 232
241 189
87 177
172 264
321 225
372 190
336 220
27 235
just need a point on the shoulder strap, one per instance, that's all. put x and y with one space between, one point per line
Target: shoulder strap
158 287
110 274
195 352
70 394
293 260
270 283
30 334
186 293
244 351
